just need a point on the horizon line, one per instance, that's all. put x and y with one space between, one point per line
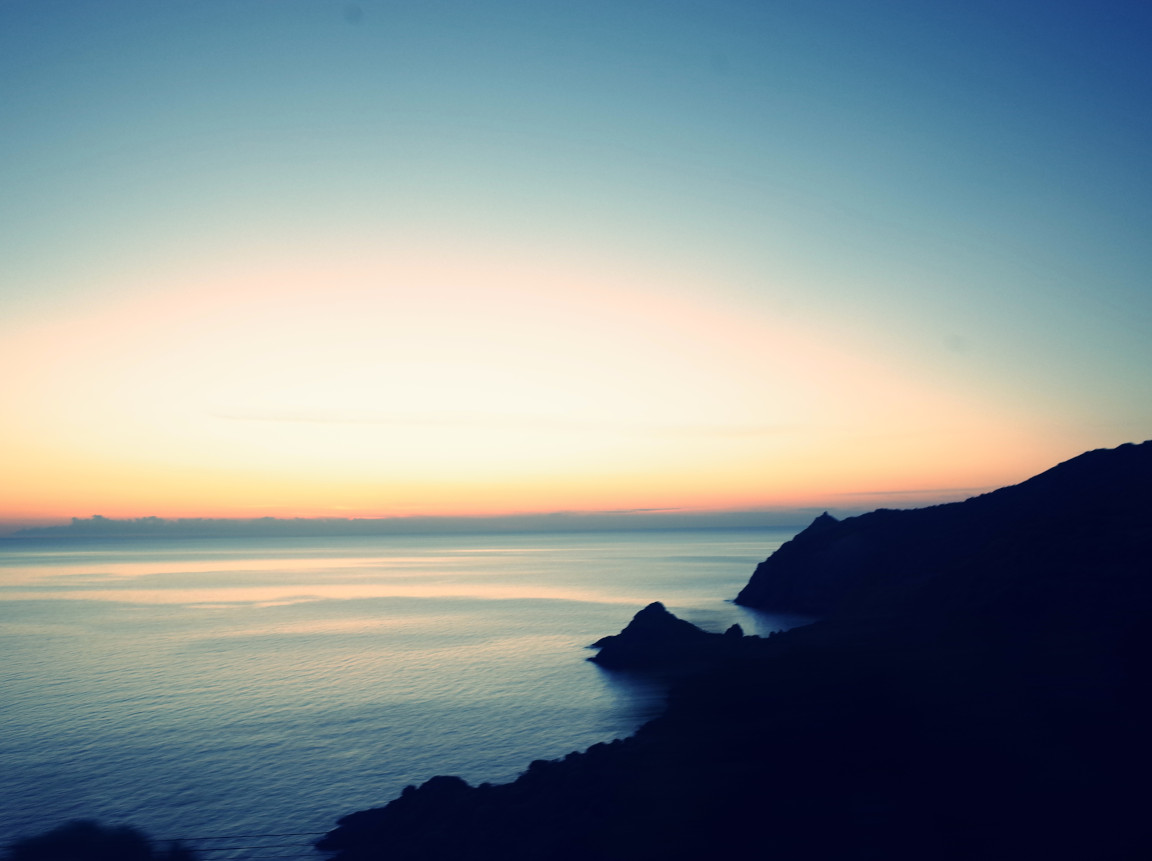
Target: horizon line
612 520
603 520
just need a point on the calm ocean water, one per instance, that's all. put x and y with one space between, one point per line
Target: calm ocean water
215 688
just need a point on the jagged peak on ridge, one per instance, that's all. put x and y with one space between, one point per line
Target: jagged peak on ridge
1092 509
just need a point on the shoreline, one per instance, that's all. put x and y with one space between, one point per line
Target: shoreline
981 703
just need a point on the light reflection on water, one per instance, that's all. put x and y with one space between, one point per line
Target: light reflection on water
211 687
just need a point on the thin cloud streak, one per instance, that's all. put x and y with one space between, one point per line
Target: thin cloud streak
536 423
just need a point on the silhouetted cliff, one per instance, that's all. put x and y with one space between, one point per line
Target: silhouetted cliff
1077 535
978 691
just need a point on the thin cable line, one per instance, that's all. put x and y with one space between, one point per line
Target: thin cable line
264 846
243 836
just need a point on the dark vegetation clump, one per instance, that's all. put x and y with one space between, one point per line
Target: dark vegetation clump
85 840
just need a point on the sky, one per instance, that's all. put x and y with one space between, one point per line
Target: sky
379 259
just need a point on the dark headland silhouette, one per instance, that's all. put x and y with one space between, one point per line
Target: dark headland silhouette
977 688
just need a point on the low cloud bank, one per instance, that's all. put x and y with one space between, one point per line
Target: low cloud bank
197 527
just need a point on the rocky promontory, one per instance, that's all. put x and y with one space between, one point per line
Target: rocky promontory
655 641
977 689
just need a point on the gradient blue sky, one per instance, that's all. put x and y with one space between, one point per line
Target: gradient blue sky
323 258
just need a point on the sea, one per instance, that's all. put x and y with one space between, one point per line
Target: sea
243 694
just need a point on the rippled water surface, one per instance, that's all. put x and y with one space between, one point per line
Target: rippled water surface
217 687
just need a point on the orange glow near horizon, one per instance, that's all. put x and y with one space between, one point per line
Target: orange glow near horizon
483 388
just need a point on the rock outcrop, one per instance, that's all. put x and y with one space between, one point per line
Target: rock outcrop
656 641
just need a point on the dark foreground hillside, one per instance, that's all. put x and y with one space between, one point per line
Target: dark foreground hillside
978 689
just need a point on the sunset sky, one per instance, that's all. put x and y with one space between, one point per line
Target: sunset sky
419 258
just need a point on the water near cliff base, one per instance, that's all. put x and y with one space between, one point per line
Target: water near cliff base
213 687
